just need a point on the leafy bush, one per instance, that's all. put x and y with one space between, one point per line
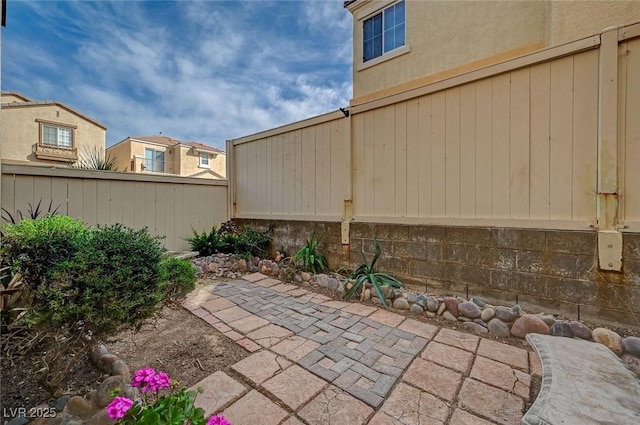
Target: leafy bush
180 274
34 248
205 243
311 258
366 273
112 282
246 242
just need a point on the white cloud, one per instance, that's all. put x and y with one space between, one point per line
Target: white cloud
205 71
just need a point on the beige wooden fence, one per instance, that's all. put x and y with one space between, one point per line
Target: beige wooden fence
532 142
168 206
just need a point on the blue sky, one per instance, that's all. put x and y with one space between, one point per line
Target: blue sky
204 71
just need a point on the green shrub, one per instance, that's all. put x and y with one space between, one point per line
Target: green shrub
35 248
253 242
311 258
205 243
366 273
113 281
180 274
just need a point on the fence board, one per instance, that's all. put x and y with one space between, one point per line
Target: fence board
167 206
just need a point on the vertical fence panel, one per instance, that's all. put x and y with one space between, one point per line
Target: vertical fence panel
425 155
484 150
468 151
631 111
561 136
585 135
438 152
500 148
452 152
539 143
519 145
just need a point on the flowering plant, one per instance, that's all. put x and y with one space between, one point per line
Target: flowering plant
157 406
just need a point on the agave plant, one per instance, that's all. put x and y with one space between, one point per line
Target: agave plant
310 257
366 273
95 158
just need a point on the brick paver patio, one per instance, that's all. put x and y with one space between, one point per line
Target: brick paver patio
320 361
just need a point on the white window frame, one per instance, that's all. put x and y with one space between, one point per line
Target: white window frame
154 160
385 56
205 160
59 130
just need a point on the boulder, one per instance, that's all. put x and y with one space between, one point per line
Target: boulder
499 328
580 330
469 309
609 339
452 305
528 324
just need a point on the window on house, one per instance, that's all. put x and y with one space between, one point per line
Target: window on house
153 160
57 136
383 32
204 160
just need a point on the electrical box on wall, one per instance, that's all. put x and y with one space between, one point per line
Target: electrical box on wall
610 250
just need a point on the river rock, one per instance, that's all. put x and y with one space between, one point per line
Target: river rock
561 329
476 327
548 319
332 283
105 363
416 308
100 418
609 339
401 304
412 297
477 301
79 407
102 396
213 267
631 345
633 362
119 367
242 265
60 402
580 330
517 310
306 276
452 305
499 328
447 315
505 314
433 304
441 308
488 314
321 279
469 309
99 351
528 324
367 294
421 300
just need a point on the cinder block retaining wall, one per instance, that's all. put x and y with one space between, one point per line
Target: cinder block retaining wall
547 270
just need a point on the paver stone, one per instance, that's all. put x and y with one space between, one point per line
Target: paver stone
260 366
446 355
433 378
295 386
458 339
219 391
254 409
410 406
490 402
513 356
335 407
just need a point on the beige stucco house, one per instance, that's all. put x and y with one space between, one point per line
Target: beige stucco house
161 154
46 133
400 45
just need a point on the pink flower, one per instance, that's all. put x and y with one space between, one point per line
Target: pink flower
159 381
119 407
218 420
142 377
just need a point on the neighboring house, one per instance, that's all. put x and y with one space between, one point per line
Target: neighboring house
161 154
46 133
400 45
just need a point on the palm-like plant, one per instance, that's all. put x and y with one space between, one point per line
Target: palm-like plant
95 158
366 273
310 257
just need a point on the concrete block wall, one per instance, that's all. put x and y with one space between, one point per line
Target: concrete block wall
546 270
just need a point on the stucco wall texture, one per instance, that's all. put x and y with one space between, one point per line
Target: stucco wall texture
466 35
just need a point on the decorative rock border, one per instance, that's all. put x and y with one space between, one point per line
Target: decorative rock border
90 409
474 313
